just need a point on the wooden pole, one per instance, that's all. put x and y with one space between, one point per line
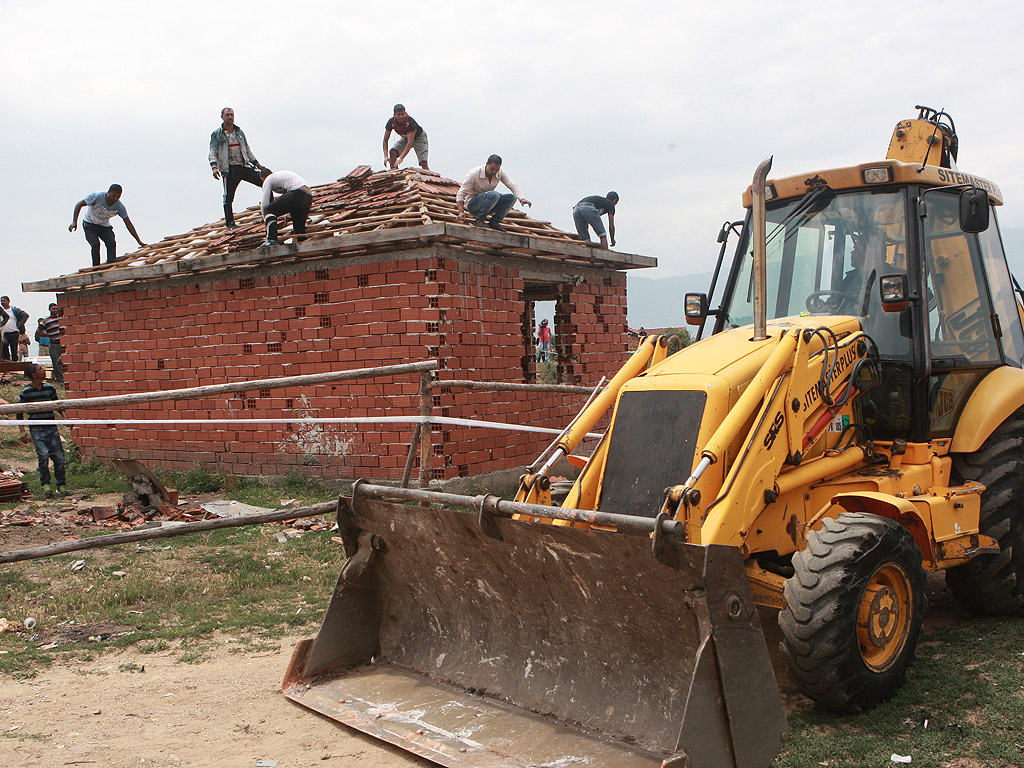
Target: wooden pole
166 531
426 410
210 390
413 444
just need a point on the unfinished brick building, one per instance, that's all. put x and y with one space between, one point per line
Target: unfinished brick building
386 275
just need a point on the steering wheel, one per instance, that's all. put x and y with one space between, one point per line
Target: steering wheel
819 301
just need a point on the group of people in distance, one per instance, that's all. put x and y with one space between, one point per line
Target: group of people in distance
232 161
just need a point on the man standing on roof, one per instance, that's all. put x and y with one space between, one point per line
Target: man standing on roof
588 213
232 161
479 188
103 206
410 136
294 197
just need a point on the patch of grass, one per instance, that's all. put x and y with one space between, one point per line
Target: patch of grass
128 668
228 581
17 735
198 479
964 698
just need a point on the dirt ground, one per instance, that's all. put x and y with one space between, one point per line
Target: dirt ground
226 711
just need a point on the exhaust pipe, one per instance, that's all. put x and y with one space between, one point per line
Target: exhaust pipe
760 259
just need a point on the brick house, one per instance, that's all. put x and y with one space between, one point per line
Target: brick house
385 275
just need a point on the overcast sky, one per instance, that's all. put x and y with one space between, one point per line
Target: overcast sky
670 104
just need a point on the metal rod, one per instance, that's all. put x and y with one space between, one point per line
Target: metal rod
554 443
505 386
760 250
191 393
166 531
624 523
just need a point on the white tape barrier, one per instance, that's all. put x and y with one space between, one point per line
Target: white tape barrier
349 420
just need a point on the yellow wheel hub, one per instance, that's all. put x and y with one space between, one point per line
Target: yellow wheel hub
884 617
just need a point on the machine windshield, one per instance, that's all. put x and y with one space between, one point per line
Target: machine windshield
825 255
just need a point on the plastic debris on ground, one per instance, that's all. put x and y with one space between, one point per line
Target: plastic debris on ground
899 758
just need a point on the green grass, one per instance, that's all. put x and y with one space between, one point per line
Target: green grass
238 580
967 683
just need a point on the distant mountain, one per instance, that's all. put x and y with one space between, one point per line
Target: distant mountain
658 302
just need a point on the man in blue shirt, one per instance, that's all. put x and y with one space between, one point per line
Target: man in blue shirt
45 436
588 213
103 206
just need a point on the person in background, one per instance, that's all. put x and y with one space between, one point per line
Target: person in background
103 206
23 342
48 336
410 136
45 436
12 323
544 339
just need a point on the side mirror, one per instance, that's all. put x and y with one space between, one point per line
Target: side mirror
695 307
974 210
894 290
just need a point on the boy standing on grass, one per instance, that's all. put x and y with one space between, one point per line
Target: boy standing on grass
45 436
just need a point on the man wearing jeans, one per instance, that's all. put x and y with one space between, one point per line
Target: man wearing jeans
294 197
45 436
483 200
12 325
588 213
103 206
232 161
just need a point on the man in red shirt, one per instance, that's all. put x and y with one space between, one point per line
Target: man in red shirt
410 136
544 337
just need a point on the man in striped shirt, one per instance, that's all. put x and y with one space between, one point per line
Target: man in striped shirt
45 436
49 327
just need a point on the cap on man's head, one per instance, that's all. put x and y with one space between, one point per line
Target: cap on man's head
543 322
494 160
613 196
399 108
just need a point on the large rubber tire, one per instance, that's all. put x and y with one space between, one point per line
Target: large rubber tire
854 610
994 584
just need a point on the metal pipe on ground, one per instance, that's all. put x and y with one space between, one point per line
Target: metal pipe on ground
166 531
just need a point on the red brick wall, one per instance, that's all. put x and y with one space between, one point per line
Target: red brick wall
466 314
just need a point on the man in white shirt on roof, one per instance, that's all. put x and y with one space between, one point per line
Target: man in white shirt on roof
102 207
294 197
478 197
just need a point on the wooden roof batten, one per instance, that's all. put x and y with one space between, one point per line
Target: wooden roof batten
362 212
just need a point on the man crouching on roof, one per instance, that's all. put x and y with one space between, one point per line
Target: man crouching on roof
294 197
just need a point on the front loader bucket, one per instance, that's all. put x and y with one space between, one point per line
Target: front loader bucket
486 641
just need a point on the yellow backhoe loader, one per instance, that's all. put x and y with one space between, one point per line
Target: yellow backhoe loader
855 421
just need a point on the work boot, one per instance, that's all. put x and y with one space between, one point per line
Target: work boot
271 231
62 491
229 217
497 226
47 492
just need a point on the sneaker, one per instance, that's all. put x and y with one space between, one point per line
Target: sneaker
47 492
270 243
232 225
480 222
495 225
62 491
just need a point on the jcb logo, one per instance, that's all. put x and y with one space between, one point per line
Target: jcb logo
773 430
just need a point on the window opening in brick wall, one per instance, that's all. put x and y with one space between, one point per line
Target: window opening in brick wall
323 274
274 346
320 297
539 361
362 281
247 349
247 282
